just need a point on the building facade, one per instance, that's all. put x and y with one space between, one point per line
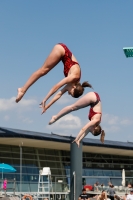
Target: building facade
31 151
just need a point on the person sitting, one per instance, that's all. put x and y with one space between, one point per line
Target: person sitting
27 197
84 195
102 196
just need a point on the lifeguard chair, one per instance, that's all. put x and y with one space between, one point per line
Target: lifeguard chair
44 183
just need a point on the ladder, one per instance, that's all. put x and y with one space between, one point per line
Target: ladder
44 184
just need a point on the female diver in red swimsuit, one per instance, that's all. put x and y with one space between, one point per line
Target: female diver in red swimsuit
91 99
72 74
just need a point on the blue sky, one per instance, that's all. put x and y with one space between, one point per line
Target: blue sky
96 32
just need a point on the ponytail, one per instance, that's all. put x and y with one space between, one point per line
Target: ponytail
102 136
79 90
98 131
86 84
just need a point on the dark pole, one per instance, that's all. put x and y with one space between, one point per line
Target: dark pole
20 168
75 171
20 188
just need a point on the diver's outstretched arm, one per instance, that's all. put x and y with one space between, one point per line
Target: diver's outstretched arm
84 131
53 100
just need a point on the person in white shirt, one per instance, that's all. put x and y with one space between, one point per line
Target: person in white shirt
130 196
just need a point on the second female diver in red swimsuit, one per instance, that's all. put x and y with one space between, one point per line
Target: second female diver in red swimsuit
91 99
72 73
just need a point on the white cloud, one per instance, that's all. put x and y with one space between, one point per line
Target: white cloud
114 120
126 122
7 104
67 122
10 104
28 102
110 119
112 129
112 123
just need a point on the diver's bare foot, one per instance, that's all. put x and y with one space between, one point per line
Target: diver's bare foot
20 95
77 142
74 140
52 120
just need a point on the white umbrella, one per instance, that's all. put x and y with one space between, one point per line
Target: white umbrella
123 177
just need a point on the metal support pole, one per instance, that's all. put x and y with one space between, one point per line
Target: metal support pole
20 188
74 176
75 171
14 186
20 168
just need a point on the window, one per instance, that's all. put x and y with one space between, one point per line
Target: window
5 148
49 152
8 175
28 150
128 173
29 156
15 149
51 164
117 173
43 164
7 161
32 170
116 181
50 158
88 172
41 151
30 162
92 181
107 173
98 173
16 155
16 161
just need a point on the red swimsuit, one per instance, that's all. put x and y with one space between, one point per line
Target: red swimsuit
67 60
92 113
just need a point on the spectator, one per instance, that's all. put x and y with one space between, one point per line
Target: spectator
123 197
130 196
84 195
109 183
111 192
5 184
102 196
88 187
96 186
117 197
27 197
128 188
129 185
